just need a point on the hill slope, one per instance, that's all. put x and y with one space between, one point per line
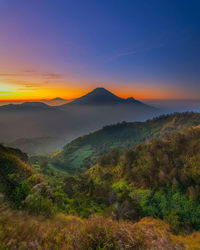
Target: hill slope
159 178
14 170
83 152
25 106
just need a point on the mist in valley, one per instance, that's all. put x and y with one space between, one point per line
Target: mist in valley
65 123
38 128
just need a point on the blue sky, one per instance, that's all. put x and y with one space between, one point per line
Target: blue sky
144 48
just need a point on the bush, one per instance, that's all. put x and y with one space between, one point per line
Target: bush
39 205
70 232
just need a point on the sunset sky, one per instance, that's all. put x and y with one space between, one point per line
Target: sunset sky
148 49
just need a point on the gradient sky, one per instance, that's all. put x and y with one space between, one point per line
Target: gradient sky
140 48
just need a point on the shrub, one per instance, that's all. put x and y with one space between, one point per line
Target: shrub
21 231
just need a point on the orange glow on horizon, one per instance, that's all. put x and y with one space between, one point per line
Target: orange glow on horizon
33 89
70 94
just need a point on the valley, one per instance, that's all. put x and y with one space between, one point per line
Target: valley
99 125
141 175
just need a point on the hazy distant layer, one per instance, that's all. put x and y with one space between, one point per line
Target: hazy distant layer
183 104
49 102
173 102
38 121
66 122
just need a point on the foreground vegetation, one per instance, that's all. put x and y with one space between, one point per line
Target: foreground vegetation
21 231
143 197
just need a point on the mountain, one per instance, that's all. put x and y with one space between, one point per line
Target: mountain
58 99
25 106
101 96
84 151
69 121
55 102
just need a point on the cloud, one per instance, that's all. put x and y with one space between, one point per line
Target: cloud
28 80
139 50
9 75
29 90
126 53
46 75
32 73
157 42
29 87
122 54
52 76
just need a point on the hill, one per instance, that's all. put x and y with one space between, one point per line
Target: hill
83 152
58 99
21 186
14 169
159 178
38 145
55 102
25 106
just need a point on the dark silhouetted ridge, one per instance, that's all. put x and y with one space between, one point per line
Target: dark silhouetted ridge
25 106
101 96
58 99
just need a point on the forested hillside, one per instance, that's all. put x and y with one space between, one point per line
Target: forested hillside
144 196
83 152
24 195
160 178
21 186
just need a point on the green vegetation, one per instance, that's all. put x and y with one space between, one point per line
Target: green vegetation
160 179
14 172
145 196
22 186
83 152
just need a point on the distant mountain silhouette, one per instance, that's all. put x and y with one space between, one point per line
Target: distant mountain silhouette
101 96
55 102
83 115
25 106
58 99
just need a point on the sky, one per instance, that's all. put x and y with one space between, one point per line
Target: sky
148 49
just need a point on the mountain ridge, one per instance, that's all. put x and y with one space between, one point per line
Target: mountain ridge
102 96
25 105
58 99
